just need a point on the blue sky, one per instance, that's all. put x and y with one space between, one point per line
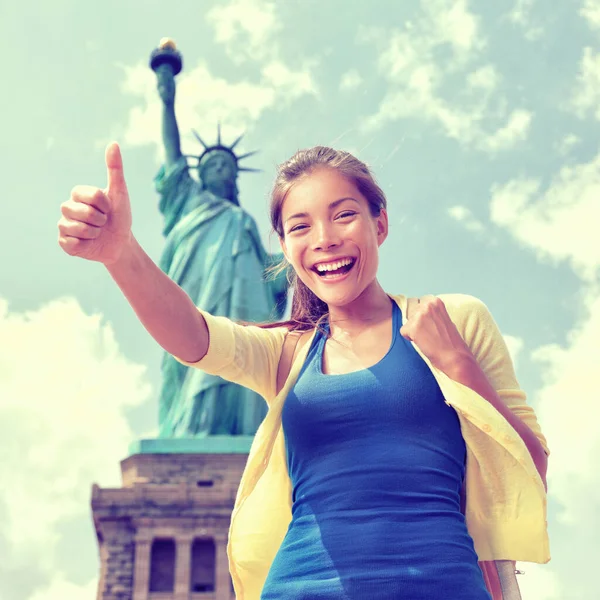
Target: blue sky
480 121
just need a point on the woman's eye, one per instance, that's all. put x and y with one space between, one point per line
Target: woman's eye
346 213
297 228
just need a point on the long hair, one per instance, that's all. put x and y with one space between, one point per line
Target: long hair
308 310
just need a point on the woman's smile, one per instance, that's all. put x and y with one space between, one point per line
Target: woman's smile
335 271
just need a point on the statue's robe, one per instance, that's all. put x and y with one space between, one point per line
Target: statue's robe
214 252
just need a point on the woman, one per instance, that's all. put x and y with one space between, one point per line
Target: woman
352 488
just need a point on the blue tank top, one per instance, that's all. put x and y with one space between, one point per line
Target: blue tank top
376 459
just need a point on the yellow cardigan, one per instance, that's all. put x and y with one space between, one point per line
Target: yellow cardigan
505 496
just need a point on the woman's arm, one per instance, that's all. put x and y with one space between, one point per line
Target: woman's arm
165 310
460 337
488 370
244 354
467 371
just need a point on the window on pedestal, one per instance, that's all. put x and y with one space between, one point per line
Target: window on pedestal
162 565
203 566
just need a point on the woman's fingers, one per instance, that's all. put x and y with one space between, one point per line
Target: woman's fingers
92 196
86 213
78 229
71 245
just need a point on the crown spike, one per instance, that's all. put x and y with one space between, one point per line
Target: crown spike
249 170
247 154
218 133
199 138
236 141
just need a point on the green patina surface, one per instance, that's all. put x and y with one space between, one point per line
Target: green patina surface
214 444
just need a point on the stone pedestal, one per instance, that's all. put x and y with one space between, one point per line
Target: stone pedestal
163 534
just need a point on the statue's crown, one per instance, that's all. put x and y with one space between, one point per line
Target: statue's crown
208 150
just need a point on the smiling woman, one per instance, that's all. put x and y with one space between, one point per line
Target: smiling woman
398 455
326 207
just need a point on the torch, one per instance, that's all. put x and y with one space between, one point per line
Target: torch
166 55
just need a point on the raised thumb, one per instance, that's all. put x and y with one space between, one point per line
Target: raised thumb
114 167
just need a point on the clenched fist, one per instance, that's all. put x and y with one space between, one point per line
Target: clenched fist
95 223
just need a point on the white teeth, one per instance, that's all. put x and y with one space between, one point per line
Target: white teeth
334 266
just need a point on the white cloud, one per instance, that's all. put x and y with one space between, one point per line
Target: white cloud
463 215
515 346
540 582
567 143
559 223
484 79
203 99
567 395
520 11
568 412
586 95
350 80
246 28
520 15
438 52
452 22
292 84
64 387
516 129
61 589
590 11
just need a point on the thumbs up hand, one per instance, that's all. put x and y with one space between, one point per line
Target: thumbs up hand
95 223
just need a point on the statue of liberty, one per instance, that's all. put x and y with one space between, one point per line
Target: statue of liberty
214 252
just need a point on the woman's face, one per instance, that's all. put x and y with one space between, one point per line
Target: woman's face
330 237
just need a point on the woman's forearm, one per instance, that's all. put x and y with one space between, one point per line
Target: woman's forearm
467 371
165 310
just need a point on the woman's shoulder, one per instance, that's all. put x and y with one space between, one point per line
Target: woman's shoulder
460 307
454 300
461 302
294 342
297 339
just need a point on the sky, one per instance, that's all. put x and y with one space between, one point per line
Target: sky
480 122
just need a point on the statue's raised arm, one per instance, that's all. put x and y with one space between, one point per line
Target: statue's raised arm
170 131
166 62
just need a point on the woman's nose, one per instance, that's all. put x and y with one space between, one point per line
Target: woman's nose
325 237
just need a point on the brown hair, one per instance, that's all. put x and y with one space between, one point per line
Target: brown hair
308 310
